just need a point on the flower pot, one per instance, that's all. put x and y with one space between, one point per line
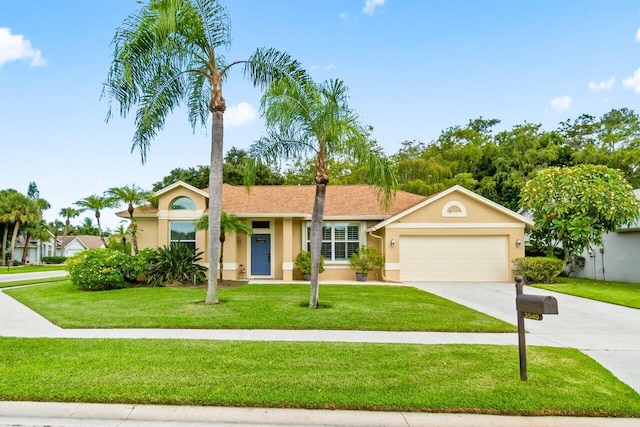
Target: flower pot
306 277
361 277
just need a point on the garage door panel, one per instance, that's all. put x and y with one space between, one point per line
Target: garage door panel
453 258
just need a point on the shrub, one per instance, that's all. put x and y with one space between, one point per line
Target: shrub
538 269
175 264
54 259
303 263
365 259
102 269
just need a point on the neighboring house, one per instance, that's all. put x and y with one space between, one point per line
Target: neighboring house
74 244
618 258
455 235
37 249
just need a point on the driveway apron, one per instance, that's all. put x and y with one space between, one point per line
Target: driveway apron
606 332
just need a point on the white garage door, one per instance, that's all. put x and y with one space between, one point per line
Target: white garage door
454 258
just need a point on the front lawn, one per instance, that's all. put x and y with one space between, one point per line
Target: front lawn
393 377
345 307
620 293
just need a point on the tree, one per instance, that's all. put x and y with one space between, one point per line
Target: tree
39 231
33 226
67 214
21 210
234 165
305 118
54 227
86 228
229 224
130 195
166 53
573 207
97 203
118 240
197 176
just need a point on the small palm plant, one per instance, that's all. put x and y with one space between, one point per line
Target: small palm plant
176 264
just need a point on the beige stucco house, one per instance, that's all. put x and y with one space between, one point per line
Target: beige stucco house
455 235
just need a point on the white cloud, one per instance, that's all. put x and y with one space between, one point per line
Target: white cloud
240 114
561 103
633 82
344 16
321 67
370 6
603 85
638 35
16 47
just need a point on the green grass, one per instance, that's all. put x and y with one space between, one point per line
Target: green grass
345 307
32 281
620 293
442 378
30 269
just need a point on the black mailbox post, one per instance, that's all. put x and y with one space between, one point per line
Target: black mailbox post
530 307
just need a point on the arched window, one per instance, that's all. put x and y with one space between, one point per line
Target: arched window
454 209
183 204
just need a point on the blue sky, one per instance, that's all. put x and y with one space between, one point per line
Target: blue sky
413 68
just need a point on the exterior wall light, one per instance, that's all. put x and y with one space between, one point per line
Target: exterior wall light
518 243
393 243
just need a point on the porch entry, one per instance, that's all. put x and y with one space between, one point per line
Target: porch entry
261 255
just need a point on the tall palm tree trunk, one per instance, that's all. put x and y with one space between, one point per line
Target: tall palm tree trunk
104 242
4 244
316 242
134 239
14 238
25 251
215 199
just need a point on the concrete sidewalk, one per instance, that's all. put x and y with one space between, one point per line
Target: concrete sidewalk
100 415
606 332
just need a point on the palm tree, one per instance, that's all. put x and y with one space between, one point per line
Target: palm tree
22 210
130 195
97 203
39 231
67 214
166 54
229 223
54 227
120 233
7 219
304 118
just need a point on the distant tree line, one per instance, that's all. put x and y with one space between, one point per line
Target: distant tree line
496 165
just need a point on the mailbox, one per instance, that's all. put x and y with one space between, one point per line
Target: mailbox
538 304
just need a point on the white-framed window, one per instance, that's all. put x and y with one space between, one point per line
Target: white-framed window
183 232
339 240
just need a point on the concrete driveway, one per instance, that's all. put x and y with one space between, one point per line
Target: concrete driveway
608 333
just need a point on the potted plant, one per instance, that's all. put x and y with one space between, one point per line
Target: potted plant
303 264
364 260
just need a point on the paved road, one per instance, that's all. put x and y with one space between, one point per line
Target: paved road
605 332
27 276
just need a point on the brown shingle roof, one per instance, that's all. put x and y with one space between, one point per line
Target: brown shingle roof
341 200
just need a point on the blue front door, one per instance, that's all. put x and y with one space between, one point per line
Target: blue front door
260 255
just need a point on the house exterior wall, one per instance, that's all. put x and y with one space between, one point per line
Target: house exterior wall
454 214
434 220
619 262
